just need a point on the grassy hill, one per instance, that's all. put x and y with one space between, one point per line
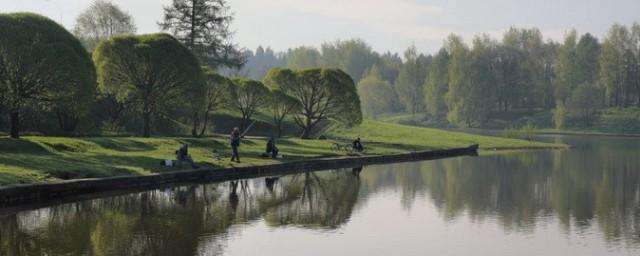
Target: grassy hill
38 159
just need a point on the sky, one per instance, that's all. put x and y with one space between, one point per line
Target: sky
387 25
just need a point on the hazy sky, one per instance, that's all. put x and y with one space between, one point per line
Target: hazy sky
385 24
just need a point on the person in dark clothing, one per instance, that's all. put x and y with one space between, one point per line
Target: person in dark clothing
235 143
272 148
357 145
182 155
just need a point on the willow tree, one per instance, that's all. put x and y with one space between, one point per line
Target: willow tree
42 64
281 106
246 96
151 70
325 95
215 87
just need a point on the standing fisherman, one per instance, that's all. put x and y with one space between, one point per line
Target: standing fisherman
235 143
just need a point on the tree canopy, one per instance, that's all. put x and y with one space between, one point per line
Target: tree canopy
100 21
325 94
203 26
152 70
42 64
246 96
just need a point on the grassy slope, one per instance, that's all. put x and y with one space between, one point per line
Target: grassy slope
34 159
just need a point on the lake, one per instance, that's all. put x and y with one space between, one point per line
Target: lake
583 201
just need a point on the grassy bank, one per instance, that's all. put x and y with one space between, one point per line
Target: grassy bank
36 159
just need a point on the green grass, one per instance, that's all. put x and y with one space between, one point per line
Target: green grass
41 159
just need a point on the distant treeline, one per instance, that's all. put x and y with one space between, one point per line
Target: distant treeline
469 84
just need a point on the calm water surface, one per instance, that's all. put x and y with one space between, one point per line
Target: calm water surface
584 201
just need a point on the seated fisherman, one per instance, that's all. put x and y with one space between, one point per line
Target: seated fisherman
272 148
357 145
182 155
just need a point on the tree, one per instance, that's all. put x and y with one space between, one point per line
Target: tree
410 83
203 26
459 81
152 70
617 66
437 83
303 58
100 21
568 68
326 95
376 96
215 88
246 96
282 105
585 100
353 56
42 64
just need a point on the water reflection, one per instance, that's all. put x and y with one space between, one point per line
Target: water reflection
595 185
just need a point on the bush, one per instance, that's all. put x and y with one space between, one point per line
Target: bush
525 132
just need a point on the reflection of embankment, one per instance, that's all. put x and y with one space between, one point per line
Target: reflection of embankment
179 221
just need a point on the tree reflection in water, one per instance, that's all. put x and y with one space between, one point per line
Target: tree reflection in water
179 221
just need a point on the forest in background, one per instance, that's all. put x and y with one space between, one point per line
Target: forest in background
579 83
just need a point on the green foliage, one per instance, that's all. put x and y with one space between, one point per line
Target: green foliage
619 120
215 90
437 84
282 105
410 83
585 100
303 58
526 132
325 95
100 21
376 95
44 67
246 96
154 71
619 62
203 26
560 115
459 83
353 56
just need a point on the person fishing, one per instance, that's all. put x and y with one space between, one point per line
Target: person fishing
235 143
272 148
357 145
182 155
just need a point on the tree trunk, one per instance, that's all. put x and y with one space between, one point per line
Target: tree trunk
204 124
147 124
15 124
196 123
306 131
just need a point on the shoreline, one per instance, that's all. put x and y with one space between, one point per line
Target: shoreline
43 192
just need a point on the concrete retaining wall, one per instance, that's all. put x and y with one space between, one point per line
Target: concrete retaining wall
35 193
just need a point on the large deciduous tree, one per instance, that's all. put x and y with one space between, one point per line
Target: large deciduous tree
151 70
215 88
203 26
103 19
325 94
42 64
410 83
246 96
437 84
281 106
376 95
